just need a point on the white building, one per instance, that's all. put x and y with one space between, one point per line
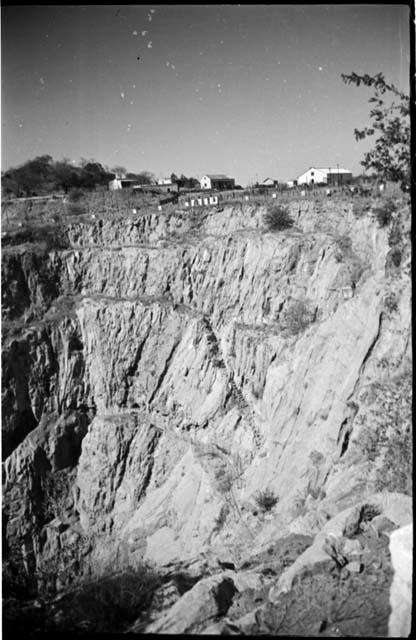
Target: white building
269 182
217 181
325 175
121 183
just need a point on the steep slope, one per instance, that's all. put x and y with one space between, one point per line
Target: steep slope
171 370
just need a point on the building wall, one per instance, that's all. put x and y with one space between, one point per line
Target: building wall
312 176
120 183
341 178
167 188
222 184
115 184
161 188
205 182
219 184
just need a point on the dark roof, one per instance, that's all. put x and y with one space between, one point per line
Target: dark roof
218 176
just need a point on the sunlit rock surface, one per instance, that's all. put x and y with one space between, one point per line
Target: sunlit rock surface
161 376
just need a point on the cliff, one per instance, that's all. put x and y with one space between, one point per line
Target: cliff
164 371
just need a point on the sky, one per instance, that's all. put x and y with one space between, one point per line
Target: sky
252 91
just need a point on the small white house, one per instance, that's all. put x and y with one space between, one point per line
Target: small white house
325 175
270 182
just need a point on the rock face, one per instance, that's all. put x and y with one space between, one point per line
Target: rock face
164 370
401 548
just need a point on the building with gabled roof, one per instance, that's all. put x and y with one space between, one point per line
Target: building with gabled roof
217 181
270 182
325 175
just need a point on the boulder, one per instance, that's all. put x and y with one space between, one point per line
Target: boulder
207 599
401 550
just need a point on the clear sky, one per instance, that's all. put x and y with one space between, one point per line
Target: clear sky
253 91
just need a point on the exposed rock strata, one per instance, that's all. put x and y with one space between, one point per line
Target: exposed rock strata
175 386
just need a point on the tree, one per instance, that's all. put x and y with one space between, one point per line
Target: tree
390 157
144 177
30 179
93 174
66 176
119 171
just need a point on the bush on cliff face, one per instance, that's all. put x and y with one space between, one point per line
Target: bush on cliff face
361 208
110 604
48 237
297 317
384 213
266 499
395 473
386 437
277 219
391 302
343 247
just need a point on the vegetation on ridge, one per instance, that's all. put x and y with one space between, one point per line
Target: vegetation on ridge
390 157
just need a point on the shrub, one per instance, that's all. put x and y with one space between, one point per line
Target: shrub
299 504
395 474
316 457
396 257
343 243
384 213
390 302
75 195
76 209
395 235
369 443
266 499
224 479
343 246
297 317
111 603
222 517
389 440
360 208
368 512
278 218
50 236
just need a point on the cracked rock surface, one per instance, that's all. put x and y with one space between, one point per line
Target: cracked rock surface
158 376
